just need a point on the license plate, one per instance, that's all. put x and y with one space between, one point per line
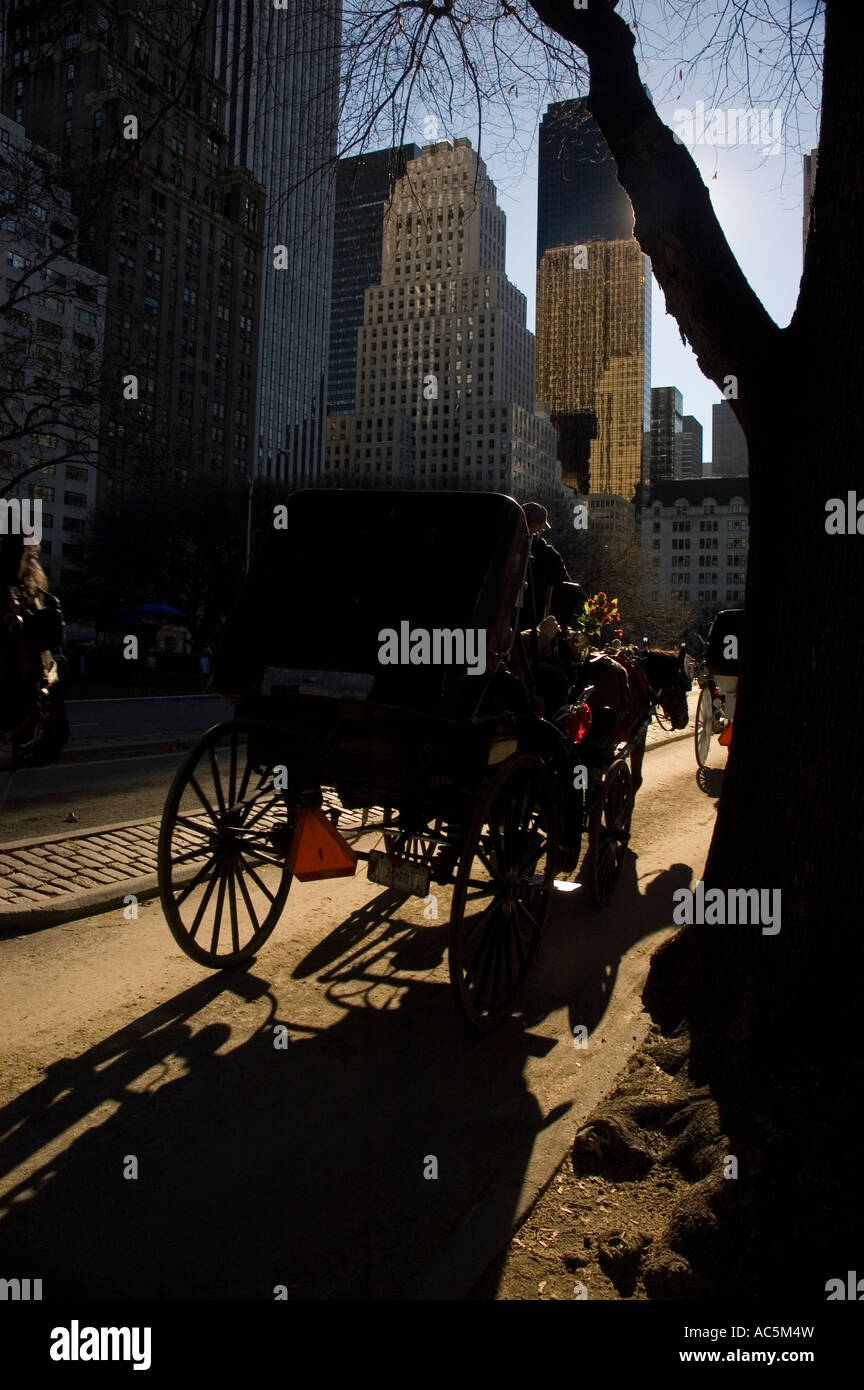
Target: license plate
400 874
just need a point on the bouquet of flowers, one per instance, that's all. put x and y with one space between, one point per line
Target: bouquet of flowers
601 621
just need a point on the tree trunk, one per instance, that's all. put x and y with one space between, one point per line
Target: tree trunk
774 1019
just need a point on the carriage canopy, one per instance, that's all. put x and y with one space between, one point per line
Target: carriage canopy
395 597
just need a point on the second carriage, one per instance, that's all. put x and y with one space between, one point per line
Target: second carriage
718 679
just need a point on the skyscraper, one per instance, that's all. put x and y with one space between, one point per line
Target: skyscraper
445 369
729 456
593 360
177 233
281 68
593 308
667 423
364 185
52 342
579 197
691 447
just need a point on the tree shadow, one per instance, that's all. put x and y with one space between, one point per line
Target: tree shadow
307 1165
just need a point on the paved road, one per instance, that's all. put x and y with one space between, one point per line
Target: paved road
304 1166
92 721
107 789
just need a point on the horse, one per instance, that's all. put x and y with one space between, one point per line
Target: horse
633 683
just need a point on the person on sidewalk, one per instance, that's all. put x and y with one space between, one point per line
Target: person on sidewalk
32 718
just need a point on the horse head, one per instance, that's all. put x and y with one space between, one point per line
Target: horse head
666 673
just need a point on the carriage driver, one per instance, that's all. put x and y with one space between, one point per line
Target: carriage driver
551 581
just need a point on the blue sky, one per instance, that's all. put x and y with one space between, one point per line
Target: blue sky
758 196
758 199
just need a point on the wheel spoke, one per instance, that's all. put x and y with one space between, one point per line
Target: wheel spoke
191 854
217 781
193 782
232 783
193 882
232 903
248 901
488 867
217 918
485 916
520 945
252 874
484 952
531 922
247 773
193 825
202 907
259 856
262 810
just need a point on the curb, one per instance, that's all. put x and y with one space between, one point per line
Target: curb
105 752
91 901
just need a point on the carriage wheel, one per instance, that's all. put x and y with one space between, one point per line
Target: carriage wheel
502 891
224 822
609 832
704 724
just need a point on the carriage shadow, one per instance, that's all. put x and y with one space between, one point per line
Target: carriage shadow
301 1168
710 781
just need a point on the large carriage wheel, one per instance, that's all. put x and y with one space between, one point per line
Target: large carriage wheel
609 832
704 724
502 891
224 826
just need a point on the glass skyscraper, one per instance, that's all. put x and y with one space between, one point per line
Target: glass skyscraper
667 426
593 308
579 197
281 68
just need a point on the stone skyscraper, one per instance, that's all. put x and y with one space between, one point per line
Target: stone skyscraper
364 185
445 369
281 68
593 307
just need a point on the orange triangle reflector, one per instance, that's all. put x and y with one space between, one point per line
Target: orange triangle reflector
726 736
318 850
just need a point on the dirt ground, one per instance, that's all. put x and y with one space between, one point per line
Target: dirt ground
600 1229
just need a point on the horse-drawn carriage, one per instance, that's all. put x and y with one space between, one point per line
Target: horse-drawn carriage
718 678
375 659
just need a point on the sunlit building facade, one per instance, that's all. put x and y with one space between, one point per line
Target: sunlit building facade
593 356
444 383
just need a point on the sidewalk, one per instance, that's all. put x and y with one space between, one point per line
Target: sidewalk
60 877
